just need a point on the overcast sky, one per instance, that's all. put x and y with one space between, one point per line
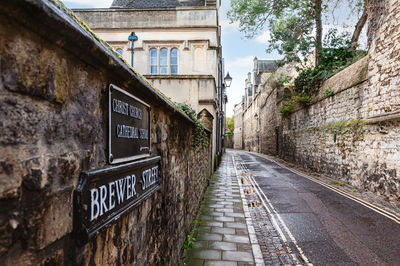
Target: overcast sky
238 52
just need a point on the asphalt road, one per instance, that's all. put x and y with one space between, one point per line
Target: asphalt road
330 229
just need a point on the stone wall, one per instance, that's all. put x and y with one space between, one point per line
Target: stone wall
269 121
354 134
238 126
53 101
251 127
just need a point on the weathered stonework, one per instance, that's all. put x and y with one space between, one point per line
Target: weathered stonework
352 135
53 101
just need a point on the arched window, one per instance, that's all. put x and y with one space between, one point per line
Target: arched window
174 61
119 50
164 61
153 62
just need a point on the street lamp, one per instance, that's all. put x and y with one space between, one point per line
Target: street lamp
133 37
228 80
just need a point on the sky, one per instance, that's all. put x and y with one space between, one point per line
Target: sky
238 52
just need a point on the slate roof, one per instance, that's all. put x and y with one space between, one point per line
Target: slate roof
139 4
266 66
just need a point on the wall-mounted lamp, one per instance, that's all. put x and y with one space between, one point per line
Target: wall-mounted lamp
228 80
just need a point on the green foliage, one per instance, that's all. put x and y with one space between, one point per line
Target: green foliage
229 127
290 23
335 57
189 243
291 33
284 79
339 184
344 126
200 138
308 81
286 109
328 93
302 99
294 25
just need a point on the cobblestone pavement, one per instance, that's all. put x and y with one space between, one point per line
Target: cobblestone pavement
225 234
275 250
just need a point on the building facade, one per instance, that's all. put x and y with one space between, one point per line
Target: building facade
238 126
247 125
176 46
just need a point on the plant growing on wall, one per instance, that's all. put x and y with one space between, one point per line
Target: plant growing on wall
337 55
286 109
229 126
302 99
200 138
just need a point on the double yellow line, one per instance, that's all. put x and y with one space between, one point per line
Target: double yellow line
373 207
272 212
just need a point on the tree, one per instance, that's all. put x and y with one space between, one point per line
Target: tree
229 128
291 23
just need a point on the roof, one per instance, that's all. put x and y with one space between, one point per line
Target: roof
155 3
266 66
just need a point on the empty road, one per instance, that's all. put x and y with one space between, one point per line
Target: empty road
325 227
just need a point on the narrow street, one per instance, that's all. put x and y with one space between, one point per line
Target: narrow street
316 224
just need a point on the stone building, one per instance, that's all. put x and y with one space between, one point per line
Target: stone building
246 113
177 49
238 126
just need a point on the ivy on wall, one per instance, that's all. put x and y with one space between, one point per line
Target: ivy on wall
337 54
200 137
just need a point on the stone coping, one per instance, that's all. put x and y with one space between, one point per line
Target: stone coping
123 9
180 77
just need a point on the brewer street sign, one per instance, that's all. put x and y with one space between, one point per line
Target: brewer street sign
128 126
104 195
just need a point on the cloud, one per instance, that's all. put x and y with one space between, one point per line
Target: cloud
228 27
241 62
264 37
89 3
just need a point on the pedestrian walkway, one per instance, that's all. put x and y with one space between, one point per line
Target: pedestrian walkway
225 235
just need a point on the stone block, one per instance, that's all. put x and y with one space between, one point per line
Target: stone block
220 230
206 254
57 219
236 238
210 237
223 245
220 263
237 256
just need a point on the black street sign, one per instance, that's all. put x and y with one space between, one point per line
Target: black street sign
128 127
104 195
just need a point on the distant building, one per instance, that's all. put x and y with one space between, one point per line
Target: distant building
254 85
238 126
262 69
178 49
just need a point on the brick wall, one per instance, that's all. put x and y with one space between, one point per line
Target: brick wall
53 101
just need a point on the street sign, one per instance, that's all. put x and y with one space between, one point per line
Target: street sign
128 127
105 195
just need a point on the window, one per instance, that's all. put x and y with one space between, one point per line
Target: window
164 61
174 61
119 50
153 61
